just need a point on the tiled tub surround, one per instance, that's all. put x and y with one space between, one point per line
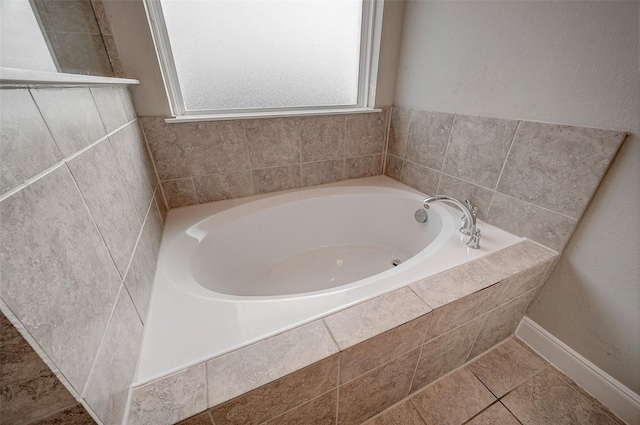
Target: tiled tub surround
353 364
210 161
80 230
530 178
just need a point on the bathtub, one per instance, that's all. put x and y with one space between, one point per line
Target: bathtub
234 272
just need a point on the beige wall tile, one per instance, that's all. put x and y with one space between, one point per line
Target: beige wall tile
135 163
454 284
107 389
363 166
110 106
273 142
365 134
314 173
321 410
373 392
27 145
478 149
49 237
279 178
445 353
558 167
223 186
369 354
72 117
152 228
168 148
370 318
501 322
479 196
170 399
322 138
139 278
454 314
180 193
420 178
394 167
543 226
215 147
453 400
428 138
258 364
278 397
100 180
399 131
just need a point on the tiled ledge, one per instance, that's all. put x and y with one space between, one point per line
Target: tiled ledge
375 353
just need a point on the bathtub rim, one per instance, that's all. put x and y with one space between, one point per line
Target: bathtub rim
177 222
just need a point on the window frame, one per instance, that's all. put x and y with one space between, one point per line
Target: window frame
368 70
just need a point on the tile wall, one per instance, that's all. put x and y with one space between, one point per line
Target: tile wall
532 179
81 221
75 37
210 161
353 364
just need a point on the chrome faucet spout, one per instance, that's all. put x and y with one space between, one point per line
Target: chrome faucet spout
469 219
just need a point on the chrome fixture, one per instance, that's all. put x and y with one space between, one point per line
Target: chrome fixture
421 216
468 220
474 213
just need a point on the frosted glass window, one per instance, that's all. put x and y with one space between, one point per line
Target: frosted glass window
253 54
22 44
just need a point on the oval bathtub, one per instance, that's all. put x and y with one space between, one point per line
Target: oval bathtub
234 272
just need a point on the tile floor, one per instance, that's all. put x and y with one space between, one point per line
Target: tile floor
508 385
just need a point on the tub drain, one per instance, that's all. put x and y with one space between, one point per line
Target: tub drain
396 262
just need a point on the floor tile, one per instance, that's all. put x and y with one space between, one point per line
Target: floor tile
547 399
405 414
507 366
453 400
496 414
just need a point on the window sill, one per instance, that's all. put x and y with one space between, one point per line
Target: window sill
270 114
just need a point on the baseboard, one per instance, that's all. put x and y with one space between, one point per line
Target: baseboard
609 391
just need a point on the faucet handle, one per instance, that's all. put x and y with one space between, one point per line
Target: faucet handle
474 240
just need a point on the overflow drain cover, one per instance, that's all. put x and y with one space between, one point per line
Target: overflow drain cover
396 262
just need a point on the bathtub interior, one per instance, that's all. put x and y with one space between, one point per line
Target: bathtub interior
188 324
308 245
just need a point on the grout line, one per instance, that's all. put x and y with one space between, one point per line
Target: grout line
446 152
338 389
153 162
57 165
509 410
209 415
331 334
40 419
104 334
415 370
246 147
385 150
504 164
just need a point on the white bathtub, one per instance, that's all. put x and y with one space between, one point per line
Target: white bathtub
234 272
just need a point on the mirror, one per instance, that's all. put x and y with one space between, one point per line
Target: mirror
55 36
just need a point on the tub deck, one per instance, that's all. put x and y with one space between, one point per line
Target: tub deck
408 335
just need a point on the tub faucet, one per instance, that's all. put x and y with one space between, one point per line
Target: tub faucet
468 220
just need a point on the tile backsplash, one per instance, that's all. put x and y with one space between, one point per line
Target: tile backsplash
530 178
81 219
210 161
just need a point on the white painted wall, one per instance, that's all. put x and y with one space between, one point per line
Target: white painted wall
565 62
